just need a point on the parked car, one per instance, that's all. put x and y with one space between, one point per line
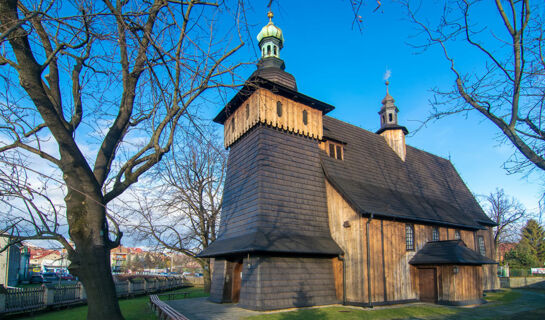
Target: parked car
50 277
36 278
67 276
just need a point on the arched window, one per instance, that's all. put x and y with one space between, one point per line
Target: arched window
409 237
305 117
383 119
247 111
390 117
457 235
269 49
233 125
279 108
274 49
435 234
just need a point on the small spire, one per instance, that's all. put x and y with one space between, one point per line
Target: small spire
270 15
388 98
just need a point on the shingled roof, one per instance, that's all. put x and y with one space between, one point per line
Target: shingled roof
263 241
372 178
448 252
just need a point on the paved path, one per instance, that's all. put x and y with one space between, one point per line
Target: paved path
522 308
518 309
202 309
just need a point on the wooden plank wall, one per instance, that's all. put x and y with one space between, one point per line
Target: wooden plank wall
466 285
389 275
261 107
401 277
393 278
338 274
490 271
350 240
396 141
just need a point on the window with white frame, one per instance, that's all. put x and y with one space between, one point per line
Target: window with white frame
409 237
435 234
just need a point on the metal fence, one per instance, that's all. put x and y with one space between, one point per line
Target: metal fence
14 300
67 293
17 299
504 271
138 287
122 288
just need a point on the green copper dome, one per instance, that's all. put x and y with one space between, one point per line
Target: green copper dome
270 30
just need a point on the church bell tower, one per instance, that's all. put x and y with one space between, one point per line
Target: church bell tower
274 221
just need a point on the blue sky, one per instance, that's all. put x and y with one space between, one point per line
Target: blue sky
342 66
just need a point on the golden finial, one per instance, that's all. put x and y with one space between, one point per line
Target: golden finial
387 84
270 15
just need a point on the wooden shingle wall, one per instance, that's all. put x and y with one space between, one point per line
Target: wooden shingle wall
274 183
239 213
218 279
261 107
292 186
285 282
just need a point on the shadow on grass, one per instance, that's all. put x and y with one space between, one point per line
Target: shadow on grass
303 315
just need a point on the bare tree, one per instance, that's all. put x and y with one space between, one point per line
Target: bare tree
506 212
95 90
508 88
183 216
31 213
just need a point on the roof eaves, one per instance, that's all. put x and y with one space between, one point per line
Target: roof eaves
256 82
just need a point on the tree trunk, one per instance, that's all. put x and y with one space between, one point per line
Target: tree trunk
97 279
206 274
90 261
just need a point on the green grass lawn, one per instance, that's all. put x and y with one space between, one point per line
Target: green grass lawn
132 309
424 311
343 313
193 293
138 309
501 296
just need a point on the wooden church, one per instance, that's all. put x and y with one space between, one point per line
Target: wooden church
317 211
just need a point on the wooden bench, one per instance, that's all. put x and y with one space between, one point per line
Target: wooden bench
163 310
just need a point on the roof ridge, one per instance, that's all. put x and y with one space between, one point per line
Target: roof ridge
407 145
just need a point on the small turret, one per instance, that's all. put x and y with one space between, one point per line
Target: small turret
270 66
389 128
271 39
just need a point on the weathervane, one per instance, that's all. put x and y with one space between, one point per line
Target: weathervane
387 75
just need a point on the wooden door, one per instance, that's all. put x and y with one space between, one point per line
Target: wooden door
428 284
237 279
228 282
